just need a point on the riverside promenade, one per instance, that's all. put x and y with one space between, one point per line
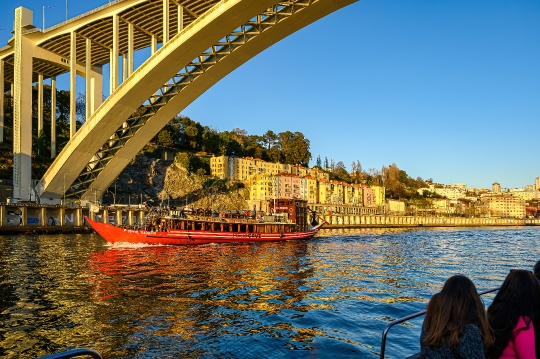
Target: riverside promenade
395 221
36 218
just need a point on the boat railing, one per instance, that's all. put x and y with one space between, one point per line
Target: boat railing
74 353
409 317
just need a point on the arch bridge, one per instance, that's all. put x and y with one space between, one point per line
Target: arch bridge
201 42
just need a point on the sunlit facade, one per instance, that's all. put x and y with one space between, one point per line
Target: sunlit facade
505 206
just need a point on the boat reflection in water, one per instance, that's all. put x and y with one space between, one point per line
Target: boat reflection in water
192 301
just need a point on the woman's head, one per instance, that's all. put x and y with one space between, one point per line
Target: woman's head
519 297
449 311
520 289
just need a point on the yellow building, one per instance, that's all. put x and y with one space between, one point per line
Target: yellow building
396 207
505 206
261 187
309 189
380 193
325 191
357 195
337 192
347 193
240 169
219 167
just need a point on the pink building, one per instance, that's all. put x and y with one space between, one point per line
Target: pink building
369 196
288 185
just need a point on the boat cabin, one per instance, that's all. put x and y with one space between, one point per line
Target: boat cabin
295 209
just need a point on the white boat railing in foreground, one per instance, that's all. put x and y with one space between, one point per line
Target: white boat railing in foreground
74 353
409 317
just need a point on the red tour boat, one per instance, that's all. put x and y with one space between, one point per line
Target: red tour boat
289 223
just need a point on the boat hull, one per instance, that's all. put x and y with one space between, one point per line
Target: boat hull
113 234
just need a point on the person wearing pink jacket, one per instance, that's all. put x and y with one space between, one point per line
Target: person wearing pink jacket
513 316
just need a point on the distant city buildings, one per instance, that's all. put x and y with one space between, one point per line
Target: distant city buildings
241 169
267 180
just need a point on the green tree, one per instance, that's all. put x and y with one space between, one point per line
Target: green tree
294 148
164 138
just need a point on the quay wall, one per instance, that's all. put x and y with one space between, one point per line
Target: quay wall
34 218
383 221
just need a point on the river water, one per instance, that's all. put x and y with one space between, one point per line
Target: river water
330 297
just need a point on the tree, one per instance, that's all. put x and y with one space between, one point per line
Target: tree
294 148
325 162
41 144
165 138
356 171
269 139
211 141
392 181
319 162
340 172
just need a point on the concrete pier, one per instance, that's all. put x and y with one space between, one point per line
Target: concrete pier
34 218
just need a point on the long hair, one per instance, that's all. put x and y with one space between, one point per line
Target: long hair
519 297
536 270
450 310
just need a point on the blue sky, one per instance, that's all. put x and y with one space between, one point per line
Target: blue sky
447 90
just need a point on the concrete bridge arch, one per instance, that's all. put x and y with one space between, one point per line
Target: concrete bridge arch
217 42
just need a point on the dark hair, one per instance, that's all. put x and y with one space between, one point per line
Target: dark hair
519 297
450 310
537 270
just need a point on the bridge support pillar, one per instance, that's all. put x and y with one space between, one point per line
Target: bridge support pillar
130 217
53 117
40 104
43 219
62 216
124 68
114 55
2 98
22 107
88 68
24 215
180 19
130 65
3 213
73 84
165 21
78 217
118 219
153 44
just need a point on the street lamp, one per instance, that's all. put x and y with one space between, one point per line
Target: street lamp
66 10
43 15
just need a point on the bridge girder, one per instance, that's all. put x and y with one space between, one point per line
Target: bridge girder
214 45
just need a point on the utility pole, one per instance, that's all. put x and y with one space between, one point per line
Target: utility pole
43 15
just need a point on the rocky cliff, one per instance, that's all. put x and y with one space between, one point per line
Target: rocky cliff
168 181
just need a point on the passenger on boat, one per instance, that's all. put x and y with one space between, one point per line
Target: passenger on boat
514 315
455 325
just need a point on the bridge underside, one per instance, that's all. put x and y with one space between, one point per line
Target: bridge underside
214 45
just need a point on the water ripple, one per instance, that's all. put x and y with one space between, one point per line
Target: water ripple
329 297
